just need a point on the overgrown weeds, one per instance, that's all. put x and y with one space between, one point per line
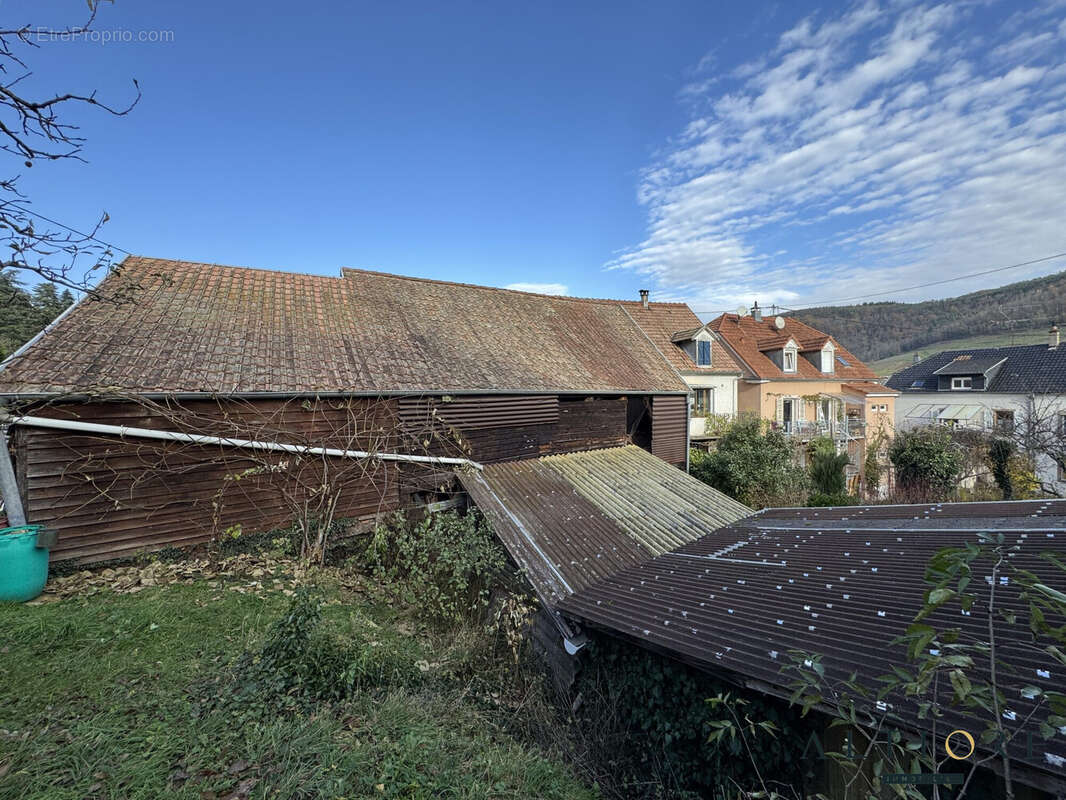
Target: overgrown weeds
446 564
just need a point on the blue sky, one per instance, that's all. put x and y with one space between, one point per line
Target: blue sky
716 153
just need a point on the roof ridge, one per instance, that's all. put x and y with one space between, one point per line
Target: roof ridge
231 266
440 281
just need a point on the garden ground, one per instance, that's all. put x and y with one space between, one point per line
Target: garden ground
147 682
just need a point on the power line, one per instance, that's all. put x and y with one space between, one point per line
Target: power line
920 285
68 228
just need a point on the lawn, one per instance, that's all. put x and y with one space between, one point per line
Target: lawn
120 694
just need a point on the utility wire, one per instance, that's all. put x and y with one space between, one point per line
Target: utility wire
67 227
920 285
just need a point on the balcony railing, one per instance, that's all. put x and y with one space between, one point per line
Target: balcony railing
850 428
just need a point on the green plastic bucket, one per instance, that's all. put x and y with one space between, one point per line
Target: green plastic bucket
23 565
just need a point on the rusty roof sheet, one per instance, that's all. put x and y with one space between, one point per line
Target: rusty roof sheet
572 520
208 328
838 582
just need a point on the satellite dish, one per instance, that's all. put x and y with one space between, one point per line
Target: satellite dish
779 323
742 311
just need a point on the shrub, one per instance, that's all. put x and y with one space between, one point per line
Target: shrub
927 463
649 727
827 468
822 500
444 563
753 465
999 454
300 665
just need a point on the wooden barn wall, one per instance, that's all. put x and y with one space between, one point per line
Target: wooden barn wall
669 428
582 423
111 498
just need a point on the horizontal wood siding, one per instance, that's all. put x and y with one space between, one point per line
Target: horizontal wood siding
669 428
481 411
582 424
111 498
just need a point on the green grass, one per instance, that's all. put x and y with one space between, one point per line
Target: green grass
887 366
100 697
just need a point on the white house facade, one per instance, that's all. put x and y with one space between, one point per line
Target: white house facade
1005 389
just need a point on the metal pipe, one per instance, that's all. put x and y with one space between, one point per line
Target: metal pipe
196 438
9 488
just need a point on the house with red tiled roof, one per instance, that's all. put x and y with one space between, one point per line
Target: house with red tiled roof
806 383
697 353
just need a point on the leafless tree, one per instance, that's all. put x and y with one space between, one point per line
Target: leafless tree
1039 429
37 128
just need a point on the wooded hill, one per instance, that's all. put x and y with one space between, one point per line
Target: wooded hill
22 313
874 331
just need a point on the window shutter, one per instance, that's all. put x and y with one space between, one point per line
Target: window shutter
703 353
800 413
780 410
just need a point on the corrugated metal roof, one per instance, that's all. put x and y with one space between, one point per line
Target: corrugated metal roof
572 520
841 582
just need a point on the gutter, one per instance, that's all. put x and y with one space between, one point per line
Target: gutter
124 431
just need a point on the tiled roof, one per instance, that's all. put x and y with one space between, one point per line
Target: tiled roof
208 328
661 321
749 339
838 582
868 388
571 520
1028 368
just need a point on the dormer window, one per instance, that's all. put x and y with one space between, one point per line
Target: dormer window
703 353
789 359
828 354
961 384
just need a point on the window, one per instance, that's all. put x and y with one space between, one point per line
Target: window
704 401
703 353
959 384
827 359
1004 420
1062 424
789 360
788 406
1062 471
843 361
917 384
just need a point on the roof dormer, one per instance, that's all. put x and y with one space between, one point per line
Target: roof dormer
697 344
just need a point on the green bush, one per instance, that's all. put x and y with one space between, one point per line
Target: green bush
822 500
753 465
650 725
444 563
300 665
827 468
927 461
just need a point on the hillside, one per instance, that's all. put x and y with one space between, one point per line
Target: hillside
876 332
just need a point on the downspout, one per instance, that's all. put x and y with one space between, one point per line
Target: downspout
124 431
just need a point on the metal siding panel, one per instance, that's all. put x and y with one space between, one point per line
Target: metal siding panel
669 433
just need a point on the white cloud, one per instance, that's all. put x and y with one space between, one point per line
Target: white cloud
539 288
863 154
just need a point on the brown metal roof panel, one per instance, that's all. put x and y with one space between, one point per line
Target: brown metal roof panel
574 520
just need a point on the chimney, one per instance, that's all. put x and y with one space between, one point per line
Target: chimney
644 297
756 312
917 359
1053 338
